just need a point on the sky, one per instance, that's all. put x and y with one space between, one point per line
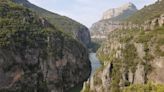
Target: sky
86 12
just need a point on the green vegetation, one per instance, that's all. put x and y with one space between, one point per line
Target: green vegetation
147 13
22 31
125 42
130 57
143 38
116 75
19 27
144 88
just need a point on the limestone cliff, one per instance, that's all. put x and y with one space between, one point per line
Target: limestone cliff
35 56
120 13
112 19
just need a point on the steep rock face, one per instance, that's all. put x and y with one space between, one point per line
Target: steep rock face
120 13
77 30
35 56
152 24
112 20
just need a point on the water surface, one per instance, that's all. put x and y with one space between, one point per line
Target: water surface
95 65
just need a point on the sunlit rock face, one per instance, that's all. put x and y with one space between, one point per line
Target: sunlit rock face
120 12
111 20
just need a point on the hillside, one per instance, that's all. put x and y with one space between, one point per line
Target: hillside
132 58
148 13
63 23
35 56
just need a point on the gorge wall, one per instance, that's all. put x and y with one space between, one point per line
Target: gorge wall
35 56
132 55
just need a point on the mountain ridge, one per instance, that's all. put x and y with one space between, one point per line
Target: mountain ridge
63 23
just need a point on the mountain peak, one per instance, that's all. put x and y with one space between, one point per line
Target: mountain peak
126 9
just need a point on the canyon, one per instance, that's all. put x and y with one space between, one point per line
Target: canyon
41 51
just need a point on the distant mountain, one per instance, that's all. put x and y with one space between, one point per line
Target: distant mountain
111 20
77 30
120 13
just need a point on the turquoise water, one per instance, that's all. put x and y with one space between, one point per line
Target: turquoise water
95 64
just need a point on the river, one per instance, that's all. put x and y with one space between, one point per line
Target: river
95 65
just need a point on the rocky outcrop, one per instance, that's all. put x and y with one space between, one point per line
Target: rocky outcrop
152 24
35 56
77 30
120 13
157 74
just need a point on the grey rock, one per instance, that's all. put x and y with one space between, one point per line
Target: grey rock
19 69
120 13
139 75
161 20
112 20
